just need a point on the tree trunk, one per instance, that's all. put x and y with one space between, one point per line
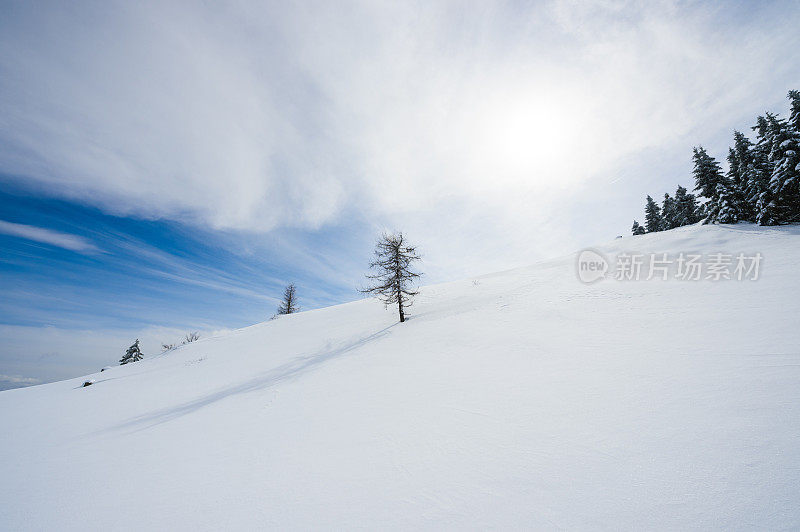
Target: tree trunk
400 308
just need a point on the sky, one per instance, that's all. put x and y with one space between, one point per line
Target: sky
170 166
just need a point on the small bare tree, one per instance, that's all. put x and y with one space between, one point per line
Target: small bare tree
289 303
393 278
190 337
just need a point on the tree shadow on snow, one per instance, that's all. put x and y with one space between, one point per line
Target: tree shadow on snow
280 374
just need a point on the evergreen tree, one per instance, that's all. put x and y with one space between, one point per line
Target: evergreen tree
794 112
793 183
669 213
394 275
685 207
707 173
637 229
133 354
707 177
727 209
652 217
289 303
740 164
702 211
759 194
784 183
762 183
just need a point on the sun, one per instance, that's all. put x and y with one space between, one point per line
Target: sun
526 137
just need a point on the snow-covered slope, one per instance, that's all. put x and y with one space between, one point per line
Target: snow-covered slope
520 399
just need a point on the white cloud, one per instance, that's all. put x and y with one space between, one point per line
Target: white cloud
48 236
17 379
456 121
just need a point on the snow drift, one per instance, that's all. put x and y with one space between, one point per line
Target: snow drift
519 399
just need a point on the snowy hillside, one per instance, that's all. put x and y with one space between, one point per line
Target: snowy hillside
520 399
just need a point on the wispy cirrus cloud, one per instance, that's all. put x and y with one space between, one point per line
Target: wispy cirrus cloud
48 236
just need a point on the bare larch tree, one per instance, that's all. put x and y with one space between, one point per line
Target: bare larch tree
393 278
289 304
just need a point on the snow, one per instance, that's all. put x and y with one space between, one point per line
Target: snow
519 399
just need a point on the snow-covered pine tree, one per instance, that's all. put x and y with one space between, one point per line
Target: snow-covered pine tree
740 168
685 207
702 212
394 276
289 303
727 210
707 177
762 183
133 354
668 213
652 216
707 173
758 191
785 180
637 229
794 112
793 183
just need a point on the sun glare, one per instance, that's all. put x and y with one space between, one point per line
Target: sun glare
526 137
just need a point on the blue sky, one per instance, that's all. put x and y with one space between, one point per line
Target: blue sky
170 166
66 266
130 267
